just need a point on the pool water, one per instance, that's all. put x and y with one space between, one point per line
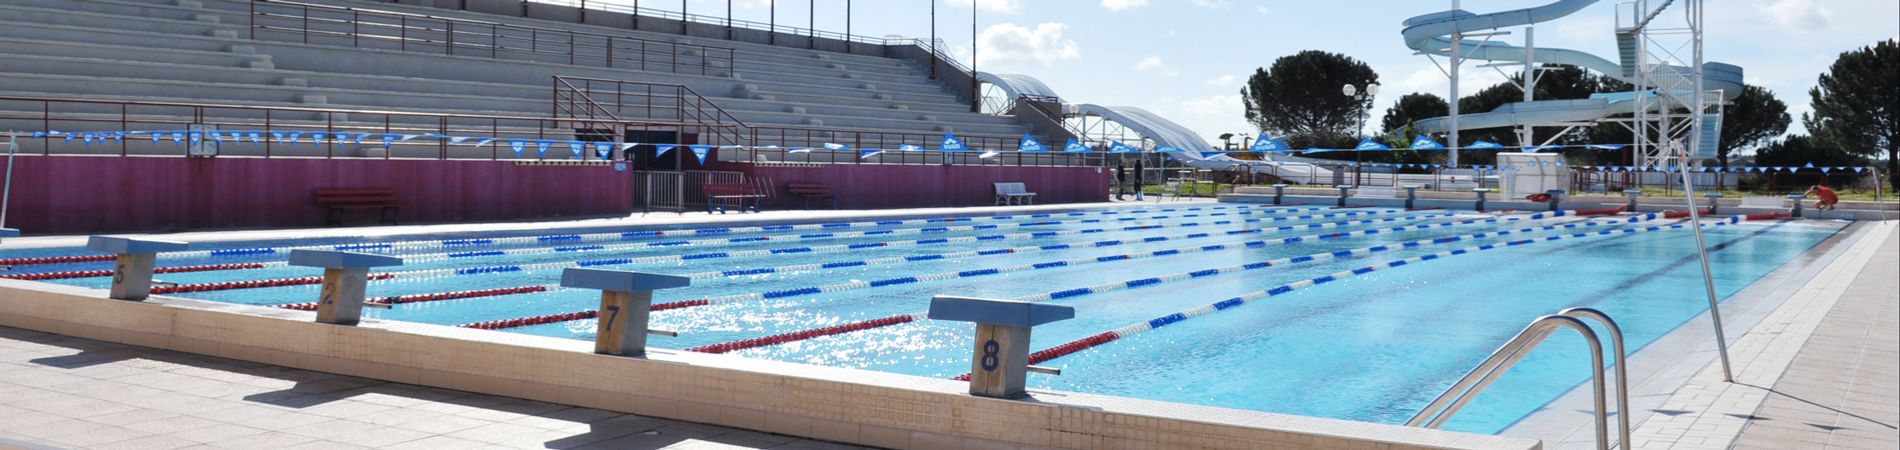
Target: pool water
1374 346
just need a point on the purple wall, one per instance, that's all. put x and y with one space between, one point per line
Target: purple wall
875 186
81 194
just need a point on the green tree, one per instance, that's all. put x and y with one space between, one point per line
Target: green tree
1857 104
1298 96
1799 150
1750 120
1411 108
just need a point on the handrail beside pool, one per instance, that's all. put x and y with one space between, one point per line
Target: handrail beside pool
1460 393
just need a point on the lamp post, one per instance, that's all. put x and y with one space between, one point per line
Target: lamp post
1227 141
1364 97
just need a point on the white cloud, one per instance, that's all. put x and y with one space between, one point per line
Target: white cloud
1153 63
1008 43
1799 15
1208 116
1118 5
1212 4
990 5
1221 81
1262 9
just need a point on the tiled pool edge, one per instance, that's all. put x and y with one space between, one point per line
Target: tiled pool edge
843 405
1662 368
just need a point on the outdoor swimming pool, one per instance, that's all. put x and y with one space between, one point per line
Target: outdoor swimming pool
1370 345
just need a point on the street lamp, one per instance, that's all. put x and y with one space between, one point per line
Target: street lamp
1364 97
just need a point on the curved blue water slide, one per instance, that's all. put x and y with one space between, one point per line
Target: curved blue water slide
1430 34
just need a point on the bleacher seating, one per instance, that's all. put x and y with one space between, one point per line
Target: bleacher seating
209 51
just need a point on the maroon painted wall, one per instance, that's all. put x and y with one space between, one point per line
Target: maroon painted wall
82 194
875 186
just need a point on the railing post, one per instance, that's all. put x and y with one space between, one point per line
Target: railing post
1481 193
1632 193
1556 196
1796 200
999 366
1411 196
626 301
345 278
132 267
1345 190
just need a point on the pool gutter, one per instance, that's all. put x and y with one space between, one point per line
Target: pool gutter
835 404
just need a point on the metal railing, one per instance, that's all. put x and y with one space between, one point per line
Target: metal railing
694 113
99 120
409 32
1460 393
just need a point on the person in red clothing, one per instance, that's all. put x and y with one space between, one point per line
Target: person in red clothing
1826 198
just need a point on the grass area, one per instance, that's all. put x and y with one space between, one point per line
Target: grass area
1209 190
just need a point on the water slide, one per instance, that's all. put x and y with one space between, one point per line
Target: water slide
1431 34
1164 133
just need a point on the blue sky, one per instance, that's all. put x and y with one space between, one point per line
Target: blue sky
1186 59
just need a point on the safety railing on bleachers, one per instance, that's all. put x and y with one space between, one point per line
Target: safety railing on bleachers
99 127
672 103
310 23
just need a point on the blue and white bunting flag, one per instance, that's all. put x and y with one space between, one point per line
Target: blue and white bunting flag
575 148
1030 145
518 145
910 148
866 153
1369 145
1074 147
700 151
1480 145
836 147
1119 147
661 149
988 154
951 143
1423 142
602 149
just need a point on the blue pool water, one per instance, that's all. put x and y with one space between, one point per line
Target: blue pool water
1371 347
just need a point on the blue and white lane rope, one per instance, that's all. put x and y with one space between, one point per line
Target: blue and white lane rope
431 257
812 290
564 239
1170 319
920 258
414 274
1272 216
1143 282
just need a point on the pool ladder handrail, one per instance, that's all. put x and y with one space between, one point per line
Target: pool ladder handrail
1454 398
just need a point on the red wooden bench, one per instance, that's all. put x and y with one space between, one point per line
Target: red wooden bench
717 194
806 192
338 200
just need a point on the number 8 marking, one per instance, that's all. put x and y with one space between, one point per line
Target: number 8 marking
989 359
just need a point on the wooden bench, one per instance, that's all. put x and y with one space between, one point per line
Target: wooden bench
337 200
806 192
1014 194
717 194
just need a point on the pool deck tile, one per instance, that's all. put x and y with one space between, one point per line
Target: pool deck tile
65 392
1819 372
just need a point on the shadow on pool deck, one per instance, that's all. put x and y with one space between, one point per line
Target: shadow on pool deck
71 392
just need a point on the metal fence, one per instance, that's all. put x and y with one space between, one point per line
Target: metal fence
311 23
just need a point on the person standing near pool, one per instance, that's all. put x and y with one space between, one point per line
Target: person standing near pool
1825 198
1138 173
1121 180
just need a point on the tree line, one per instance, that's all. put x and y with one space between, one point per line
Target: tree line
1856 114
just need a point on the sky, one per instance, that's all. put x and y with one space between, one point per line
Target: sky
1187 59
